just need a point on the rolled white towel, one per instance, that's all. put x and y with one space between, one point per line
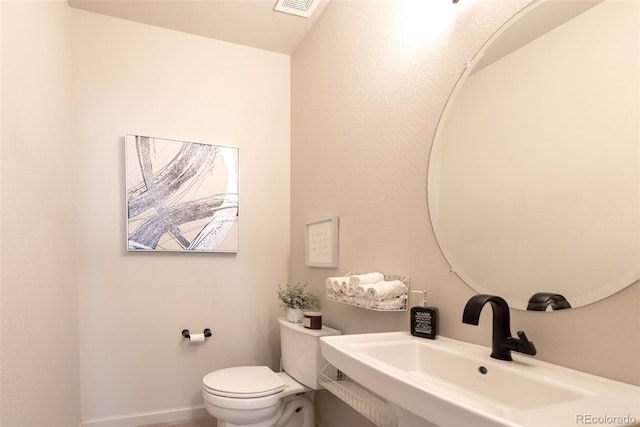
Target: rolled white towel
331 294
361 290
336 285
346 288
392 303
363 301
331 280
343 286
382 289
364 279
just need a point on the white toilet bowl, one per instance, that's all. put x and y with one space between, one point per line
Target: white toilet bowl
255 396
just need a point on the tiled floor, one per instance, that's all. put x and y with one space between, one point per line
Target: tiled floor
196 422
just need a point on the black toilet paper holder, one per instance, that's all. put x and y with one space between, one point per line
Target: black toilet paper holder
187 335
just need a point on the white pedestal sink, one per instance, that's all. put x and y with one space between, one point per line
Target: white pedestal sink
452 383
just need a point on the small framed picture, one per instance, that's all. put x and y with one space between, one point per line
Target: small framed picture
321 243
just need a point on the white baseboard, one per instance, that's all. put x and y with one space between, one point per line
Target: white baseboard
141 419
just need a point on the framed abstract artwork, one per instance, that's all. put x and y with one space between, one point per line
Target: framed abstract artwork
181 196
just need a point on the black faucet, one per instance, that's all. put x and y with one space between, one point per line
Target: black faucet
541 300
503 343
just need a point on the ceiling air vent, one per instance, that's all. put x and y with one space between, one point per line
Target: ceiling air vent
302 8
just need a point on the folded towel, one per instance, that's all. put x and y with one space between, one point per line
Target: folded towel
383 289
336 285
364 279
332 280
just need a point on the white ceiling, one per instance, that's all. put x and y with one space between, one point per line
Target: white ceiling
252 23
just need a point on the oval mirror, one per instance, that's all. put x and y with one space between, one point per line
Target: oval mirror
534 182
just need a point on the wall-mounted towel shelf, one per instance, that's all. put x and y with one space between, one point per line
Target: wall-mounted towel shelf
394 301
366 402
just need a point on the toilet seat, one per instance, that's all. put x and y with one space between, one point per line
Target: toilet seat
291 387
243 382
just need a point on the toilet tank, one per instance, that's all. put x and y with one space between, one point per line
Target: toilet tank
300 347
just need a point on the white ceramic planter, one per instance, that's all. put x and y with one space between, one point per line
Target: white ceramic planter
294 315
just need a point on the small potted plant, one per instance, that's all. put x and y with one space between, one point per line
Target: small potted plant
295 299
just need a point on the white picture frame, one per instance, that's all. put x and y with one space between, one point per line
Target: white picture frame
321 243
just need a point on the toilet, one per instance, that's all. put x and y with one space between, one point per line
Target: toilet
255 396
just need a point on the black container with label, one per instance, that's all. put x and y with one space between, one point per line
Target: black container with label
424 319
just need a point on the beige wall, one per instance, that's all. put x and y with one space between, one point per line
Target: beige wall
0 207
128 77
133 78
40 379
367 92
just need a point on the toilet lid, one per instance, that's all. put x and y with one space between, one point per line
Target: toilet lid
243 382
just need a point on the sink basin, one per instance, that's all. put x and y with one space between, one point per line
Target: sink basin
450 382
